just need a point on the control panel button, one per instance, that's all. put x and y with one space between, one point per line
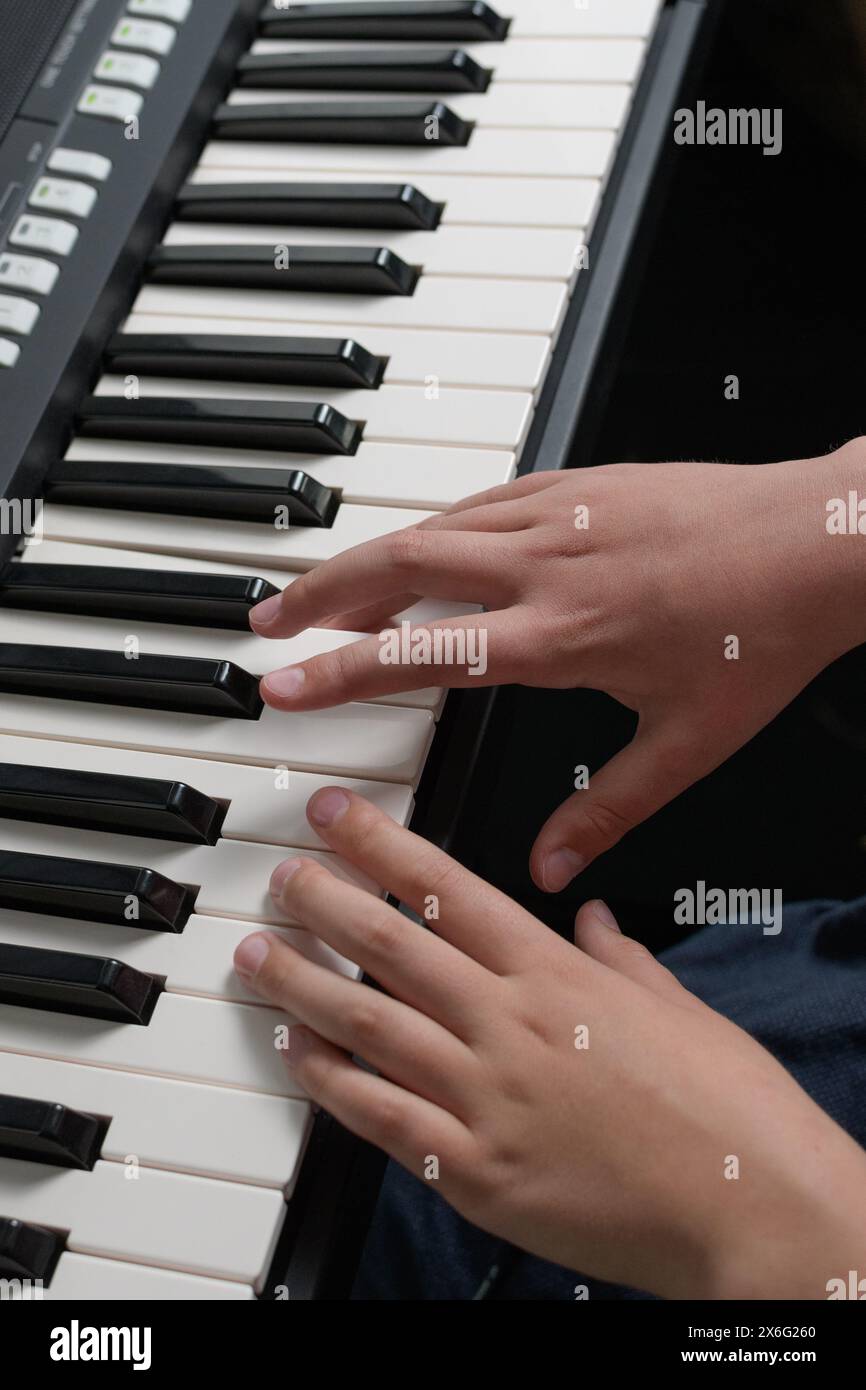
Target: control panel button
147 35
17 315
177 11
44 234
133 68
83 162
9 352
114 103
63 195
30 273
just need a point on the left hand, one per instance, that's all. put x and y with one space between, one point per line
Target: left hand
609 1158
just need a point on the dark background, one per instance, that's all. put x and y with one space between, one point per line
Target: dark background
756 269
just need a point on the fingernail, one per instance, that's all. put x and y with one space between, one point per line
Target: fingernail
602 913
560 868
327 806
287 683
299 1046
280 875
268 611
251 955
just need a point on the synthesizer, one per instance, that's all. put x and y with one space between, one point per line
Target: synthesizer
340 264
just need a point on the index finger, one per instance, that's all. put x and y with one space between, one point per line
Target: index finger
464 910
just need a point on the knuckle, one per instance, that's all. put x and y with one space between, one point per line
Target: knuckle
606 822
635 951
364 1022
381 937
315 1074
440 875
389 1120
407 549
341 666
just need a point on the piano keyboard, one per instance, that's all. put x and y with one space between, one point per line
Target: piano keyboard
429 174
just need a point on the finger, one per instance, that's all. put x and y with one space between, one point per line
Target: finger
641 779
462 909
452 653
405 1126
414 965
435 564
375 616
597 934
507 515
527 486
407 1047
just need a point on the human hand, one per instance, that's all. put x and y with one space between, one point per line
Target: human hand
578 1102
702 596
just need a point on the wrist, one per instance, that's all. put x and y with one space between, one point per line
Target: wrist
802 1225
827 498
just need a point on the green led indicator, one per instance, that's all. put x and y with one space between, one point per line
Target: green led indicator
91 99
125 31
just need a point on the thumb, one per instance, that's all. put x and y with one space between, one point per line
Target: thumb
597 934
645 776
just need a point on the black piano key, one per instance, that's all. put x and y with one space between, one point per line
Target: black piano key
358 70
230 494
97 591
294 427
183 684
43 1131
94 892
316 269
427 123
28 1252
396 206
160 810
406 19
63 983
335 362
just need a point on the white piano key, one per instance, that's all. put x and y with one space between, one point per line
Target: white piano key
385 475
519 59
442 302
84 1278
520 253
254 654
57 553
237 542
527 106
220 1229
197 961
232 876
507 201
188 1038
534 153
402 414
357 740
513 361
567 19
262 806
187 1128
